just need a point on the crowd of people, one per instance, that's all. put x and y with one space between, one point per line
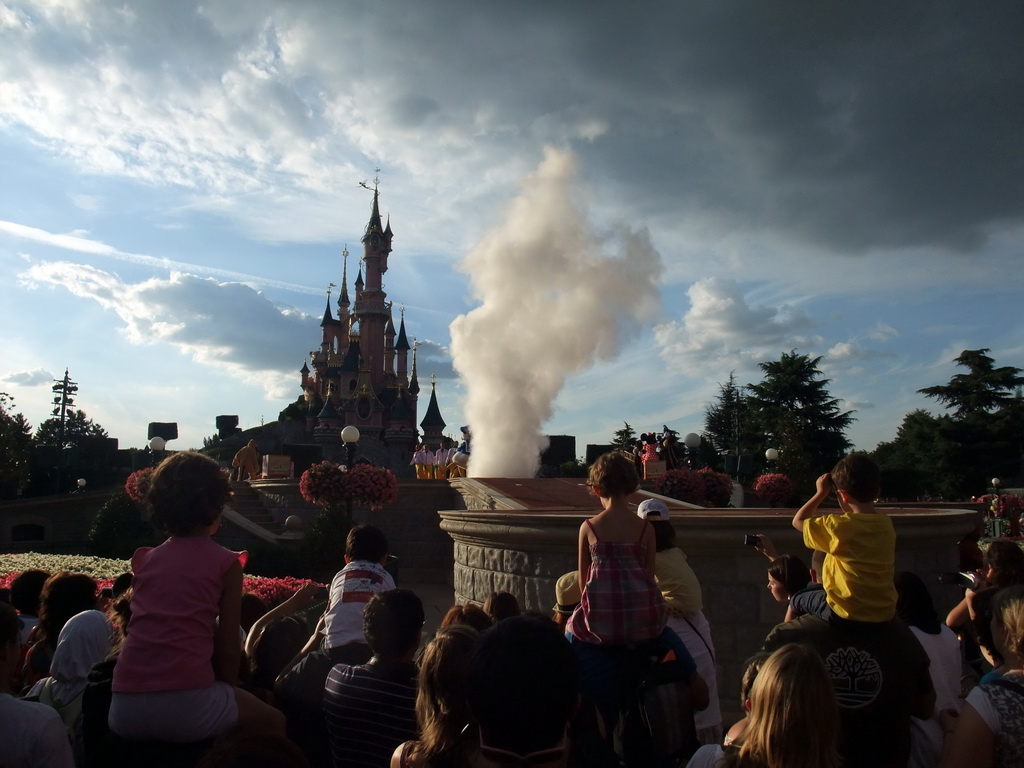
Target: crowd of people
178 670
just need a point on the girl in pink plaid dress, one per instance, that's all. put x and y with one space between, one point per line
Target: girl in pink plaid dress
621 602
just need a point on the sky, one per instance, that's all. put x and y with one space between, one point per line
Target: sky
178 182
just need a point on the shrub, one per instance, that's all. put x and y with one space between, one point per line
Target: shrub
119 528
775 488
683 484
717 486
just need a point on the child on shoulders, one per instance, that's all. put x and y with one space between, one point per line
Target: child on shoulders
176 678
860 542
621 601
364 575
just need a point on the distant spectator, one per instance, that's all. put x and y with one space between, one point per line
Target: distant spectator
751 668
26 590
793 721
64 594
370 708
86 639
567 597
32 735
251 608
501 605
915 607
989 731
471 615
441 709
1003 567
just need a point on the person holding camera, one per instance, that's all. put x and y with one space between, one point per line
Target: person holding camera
1002 567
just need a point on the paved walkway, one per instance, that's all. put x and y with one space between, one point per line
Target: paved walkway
437 599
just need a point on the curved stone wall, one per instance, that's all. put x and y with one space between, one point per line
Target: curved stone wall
524 553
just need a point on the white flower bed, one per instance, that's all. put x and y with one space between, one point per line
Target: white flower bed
97 567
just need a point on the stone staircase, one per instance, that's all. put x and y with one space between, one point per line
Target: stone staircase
247 503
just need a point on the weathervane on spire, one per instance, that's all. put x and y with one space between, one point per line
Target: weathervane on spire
329 286
376 181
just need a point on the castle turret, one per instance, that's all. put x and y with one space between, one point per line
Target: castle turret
433 425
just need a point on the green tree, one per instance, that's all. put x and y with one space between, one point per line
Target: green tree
623 437
912 463
15 448
981 438
725 420
984 388
76 426
793 411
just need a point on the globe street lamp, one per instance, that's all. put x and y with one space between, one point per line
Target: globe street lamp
349 436
156 445
771 456
692 443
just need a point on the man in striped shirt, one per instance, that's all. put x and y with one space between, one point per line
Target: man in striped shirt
370 708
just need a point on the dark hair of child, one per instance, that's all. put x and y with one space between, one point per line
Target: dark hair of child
64 594
501 605
278 644
120 613
187 491
366 542
121 584
750 669
664 535
858 475
1006 560
914 604
522 684
981 625
26 589
614 474
10 628
392 623
471 615
791 571
252 607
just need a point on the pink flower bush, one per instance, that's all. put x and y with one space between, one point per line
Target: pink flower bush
717 487
329 485
138 484
775 488
323 484
683 484
373 486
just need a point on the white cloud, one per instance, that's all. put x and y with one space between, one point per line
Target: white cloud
849 351
228 326
722 330
32 378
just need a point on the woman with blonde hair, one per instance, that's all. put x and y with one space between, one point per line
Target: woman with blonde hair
989 731
441 709
794 718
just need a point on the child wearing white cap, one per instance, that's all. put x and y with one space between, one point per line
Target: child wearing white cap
682 593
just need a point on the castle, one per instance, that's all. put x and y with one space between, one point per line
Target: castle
360 373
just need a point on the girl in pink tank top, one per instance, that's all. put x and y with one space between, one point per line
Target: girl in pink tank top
176 677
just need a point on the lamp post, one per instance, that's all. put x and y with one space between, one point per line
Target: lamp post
80 485
692 443
349 436
997 523
156 445
771 456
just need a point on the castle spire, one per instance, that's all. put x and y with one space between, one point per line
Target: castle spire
414 384
432 419
343 298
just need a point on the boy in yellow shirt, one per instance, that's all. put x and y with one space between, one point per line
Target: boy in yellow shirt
860 542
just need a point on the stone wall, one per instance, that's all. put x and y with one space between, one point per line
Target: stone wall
525 552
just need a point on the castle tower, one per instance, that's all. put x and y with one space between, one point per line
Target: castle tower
359 374
433 425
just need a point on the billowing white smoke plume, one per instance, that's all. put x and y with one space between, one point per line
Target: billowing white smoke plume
554 297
